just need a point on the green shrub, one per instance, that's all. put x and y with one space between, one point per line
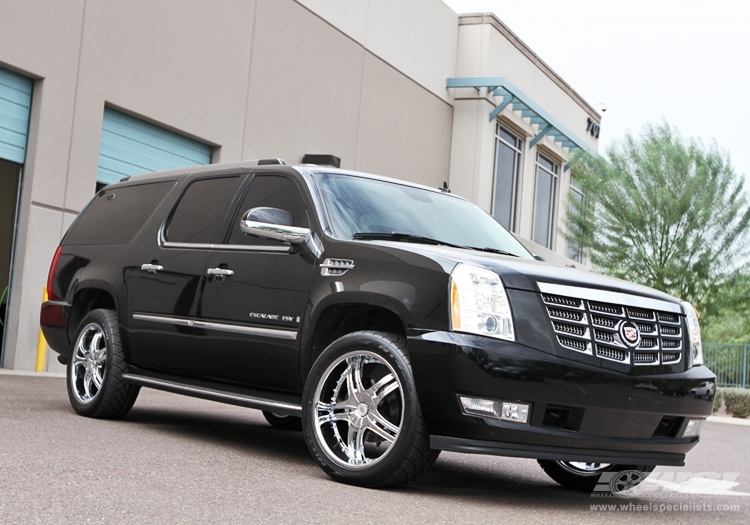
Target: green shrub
718 399
737 401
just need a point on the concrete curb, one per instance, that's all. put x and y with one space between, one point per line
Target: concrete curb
29 373
729 420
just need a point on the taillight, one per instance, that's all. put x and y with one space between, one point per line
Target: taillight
51 296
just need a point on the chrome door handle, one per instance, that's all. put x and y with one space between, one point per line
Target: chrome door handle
151 268
219 272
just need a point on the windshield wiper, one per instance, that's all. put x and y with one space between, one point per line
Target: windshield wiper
491 250
410 237
402 237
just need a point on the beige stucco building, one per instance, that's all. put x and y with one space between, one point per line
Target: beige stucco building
404 89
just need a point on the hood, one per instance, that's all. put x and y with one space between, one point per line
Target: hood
524 274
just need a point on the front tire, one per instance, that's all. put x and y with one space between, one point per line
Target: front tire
586 476
94 373
361 416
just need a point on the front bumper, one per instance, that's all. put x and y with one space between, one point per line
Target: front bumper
578 412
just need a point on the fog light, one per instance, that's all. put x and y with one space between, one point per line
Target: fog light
693 427
504 410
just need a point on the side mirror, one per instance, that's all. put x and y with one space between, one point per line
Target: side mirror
274 224
539 257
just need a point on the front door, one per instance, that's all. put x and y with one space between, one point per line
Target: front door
255 297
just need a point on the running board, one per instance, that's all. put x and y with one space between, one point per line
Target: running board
282 404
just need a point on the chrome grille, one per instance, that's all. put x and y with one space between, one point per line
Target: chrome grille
593 328
613 354
605 308
570 315
565 301
645 358
665 317
606 322
575 344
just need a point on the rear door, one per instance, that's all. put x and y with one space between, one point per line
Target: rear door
171 275
249 322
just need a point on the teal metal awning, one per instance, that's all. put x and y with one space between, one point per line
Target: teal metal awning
519 101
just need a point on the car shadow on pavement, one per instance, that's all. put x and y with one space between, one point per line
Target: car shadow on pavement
458 476
496 480
248 434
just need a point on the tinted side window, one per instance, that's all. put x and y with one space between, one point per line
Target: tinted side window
201 209
116 215
275 192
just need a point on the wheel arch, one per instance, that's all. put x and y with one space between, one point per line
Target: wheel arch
337 319
87 298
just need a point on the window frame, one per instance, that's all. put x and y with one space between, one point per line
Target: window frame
516 175
220 226
572 250
238 209
551 205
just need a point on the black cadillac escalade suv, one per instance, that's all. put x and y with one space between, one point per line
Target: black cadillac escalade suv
390 321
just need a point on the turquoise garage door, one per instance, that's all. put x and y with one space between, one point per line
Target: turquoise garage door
131 146
15 105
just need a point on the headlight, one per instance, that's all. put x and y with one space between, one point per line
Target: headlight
694 331
479 304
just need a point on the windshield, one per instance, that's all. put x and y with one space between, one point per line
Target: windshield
363 208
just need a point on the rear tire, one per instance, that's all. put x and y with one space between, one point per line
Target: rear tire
586 476
360 412
95 368
283 422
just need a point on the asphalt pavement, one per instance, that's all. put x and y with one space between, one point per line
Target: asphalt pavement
180 460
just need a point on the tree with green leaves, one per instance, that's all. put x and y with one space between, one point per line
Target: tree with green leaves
665 212
728 321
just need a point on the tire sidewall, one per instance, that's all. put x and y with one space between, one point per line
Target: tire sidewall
378 344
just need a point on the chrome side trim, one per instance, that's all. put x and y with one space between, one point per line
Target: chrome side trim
605 296
226 247
179 321
188 245
249 248
207 393
275 333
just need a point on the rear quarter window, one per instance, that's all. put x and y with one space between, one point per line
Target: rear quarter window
115 216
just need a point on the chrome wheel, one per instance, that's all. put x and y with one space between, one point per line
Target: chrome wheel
589 476
95 383
89 363
360 412
577 467
359 409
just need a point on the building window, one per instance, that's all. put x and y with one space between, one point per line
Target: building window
508 149
575 201
545 201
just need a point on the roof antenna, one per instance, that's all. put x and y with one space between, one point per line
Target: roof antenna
445 187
